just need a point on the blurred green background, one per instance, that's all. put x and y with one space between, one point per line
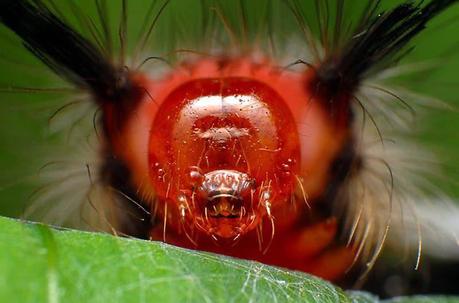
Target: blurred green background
26 138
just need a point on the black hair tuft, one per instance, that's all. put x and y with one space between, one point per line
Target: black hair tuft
64 50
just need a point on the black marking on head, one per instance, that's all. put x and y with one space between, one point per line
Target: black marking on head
64 50
346 163
134 221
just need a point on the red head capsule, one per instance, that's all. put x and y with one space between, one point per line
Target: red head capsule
224 153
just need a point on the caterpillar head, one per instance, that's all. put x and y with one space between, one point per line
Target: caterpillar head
223 153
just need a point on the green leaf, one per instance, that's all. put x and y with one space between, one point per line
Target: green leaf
41 264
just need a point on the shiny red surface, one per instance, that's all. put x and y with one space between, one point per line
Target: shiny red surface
232 155
224 125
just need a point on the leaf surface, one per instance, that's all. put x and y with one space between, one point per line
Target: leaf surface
42 264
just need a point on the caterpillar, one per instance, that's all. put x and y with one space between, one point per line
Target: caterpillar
233 136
